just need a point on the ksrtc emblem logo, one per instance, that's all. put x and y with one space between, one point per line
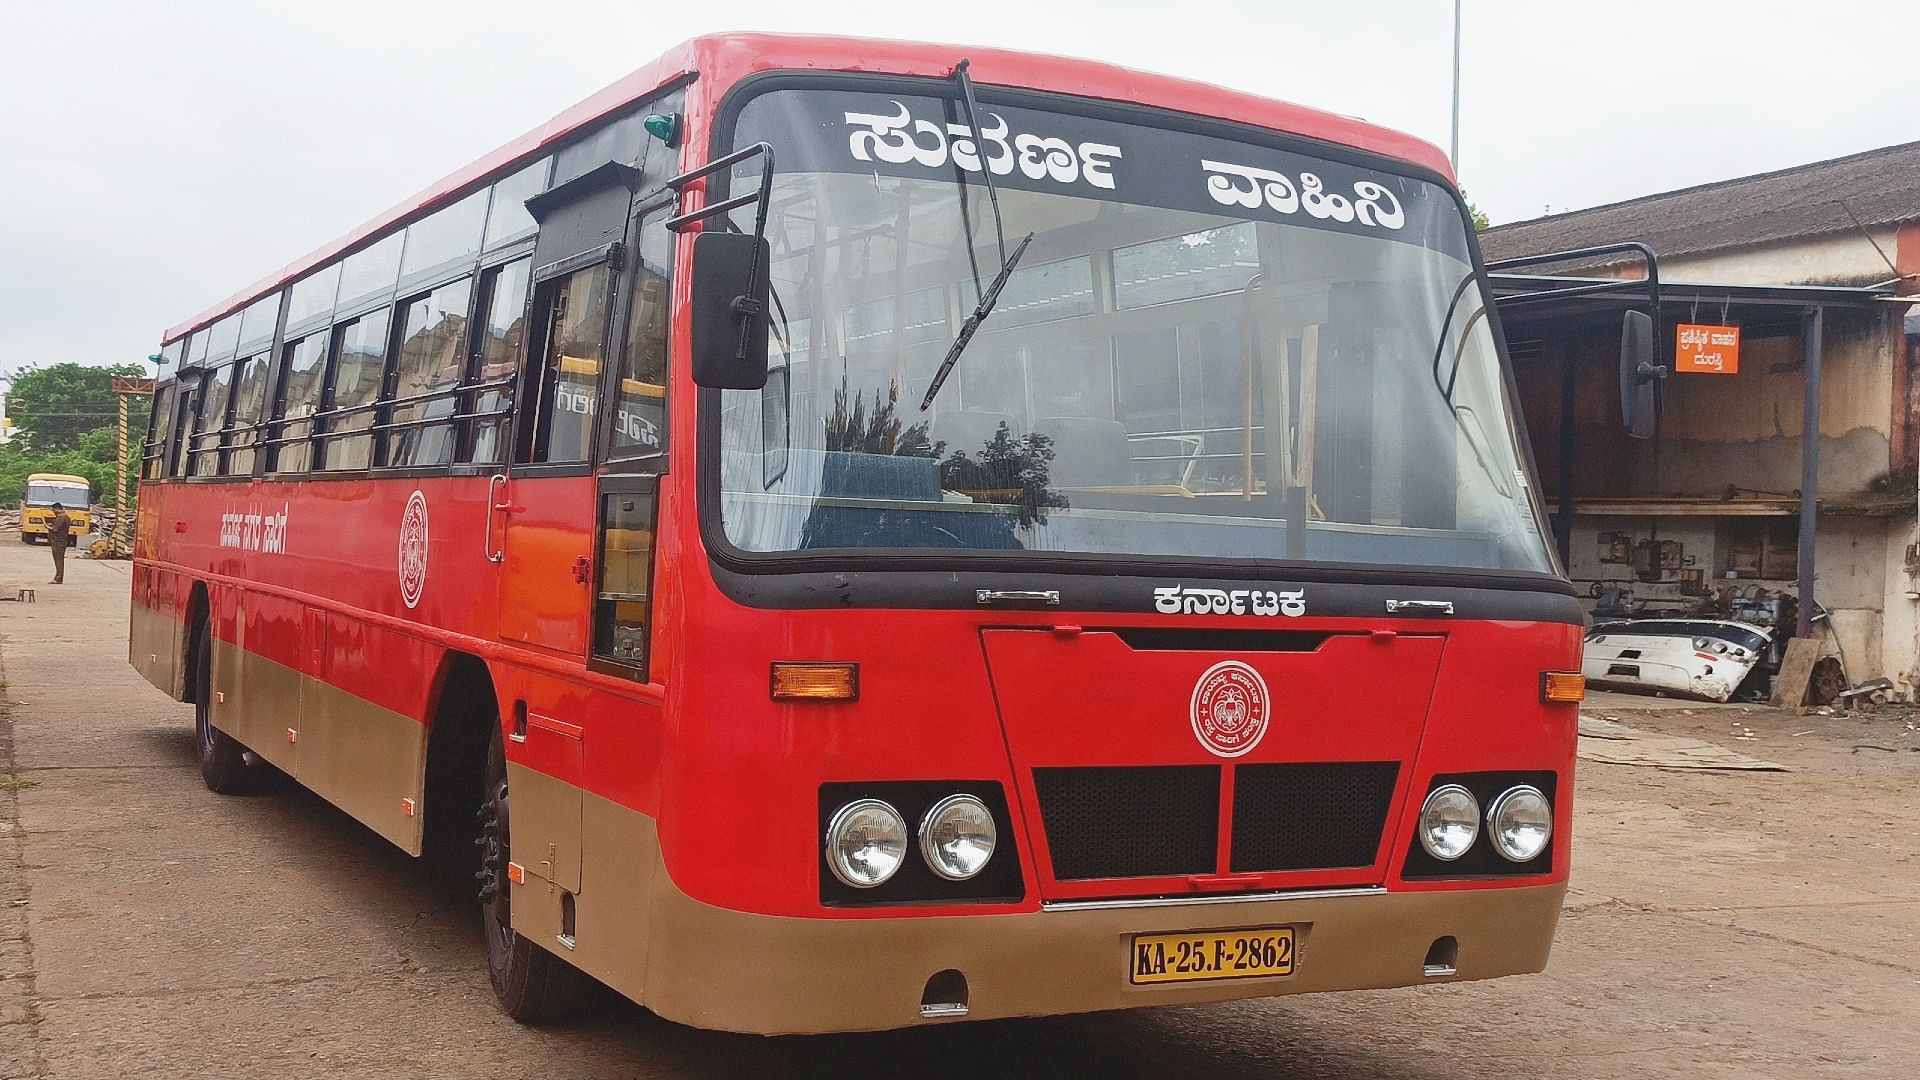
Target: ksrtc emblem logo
413 549
1230 709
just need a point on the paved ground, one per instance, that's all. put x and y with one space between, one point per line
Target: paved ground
1760 924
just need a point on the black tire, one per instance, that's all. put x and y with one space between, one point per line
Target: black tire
533 985
224 764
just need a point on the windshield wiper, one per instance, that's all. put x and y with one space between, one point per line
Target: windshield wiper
974 320
1007 262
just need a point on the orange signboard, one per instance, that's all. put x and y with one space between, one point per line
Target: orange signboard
1704 348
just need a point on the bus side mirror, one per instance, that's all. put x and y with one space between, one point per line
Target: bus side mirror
1640 375
729 310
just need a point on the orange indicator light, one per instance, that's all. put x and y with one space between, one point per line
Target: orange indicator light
816 682
516 873
406 807
1564 686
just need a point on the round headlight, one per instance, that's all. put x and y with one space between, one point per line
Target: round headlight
1449 822
866 843
1521 821
957 836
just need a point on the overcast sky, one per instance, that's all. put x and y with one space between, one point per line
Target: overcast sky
157 157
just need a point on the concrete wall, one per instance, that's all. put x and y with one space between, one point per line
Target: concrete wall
1840 259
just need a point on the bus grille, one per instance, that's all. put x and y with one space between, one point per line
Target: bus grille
1310 817
1164 821
1123 822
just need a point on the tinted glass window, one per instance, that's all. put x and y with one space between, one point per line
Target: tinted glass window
446 235
371 271
159 424
313 296
360 363
186 412
258 320
507 218
575 336
503 319
208 428
303 364
197 347
249 399
225 337
433 335
171 354
640 403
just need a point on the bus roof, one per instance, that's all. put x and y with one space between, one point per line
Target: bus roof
730 57
58 478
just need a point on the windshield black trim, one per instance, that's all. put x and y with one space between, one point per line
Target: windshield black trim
725 555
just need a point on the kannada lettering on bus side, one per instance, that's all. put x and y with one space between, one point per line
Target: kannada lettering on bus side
1188 600
253 529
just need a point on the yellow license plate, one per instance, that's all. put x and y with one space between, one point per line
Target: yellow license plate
1226 954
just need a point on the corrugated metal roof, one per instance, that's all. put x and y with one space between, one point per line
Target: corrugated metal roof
1879 187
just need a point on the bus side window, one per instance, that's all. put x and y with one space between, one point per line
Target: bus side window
499 327
186 408
623 597
640 396
359 368
302 367
574 313
250 396
159 426
209 429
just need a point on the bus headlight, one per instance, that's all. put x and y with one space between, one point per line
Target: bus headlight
1521 821
1449 822
957 837
866 843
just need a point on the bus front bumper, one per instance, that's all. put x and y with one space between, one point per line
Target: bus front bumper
716 968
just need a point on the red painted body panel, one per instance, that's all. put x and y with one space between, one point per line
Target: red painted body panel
731 777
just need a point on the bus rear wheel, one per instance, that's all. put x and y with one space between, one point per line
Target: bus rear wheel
533 985
225 765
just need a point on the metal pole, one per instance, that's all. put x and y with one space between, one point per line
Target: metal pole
116 538
1564 525
1453 154
1809 469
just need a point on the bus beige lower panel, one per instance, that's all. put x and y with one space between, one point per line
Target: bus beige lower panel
717 968
365 759
155 644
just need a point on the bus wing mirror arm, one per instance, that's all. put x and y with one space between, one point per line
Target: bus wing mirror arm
729 278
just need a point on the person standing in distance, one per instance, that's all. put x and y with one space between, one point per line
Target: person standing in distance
59 535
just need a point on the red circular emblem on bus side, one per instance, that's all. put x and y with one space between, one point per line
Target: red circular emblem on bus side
413 549
1230 708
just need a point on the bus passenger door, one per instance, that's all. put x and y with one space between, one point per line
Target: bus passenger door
548 497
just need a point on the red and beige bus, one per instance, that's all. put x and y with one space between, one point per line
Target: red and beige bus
851 534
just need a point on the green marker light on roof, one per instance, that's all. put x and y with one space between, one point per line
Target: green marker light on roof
663 126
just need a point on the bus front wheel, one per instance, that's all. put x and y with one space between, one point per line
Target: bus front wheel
533 985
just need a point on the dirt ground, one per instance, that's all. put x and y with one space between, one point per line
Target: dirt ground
1720 924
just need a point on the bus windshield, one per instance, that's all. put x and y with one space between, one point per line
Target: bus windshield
46 493
1213 347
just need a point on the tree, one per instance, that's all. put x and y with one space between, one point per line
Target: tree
1481 222
55 406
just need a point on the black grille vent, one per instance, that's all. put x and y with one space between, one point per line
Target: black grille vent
1310 817
1127 822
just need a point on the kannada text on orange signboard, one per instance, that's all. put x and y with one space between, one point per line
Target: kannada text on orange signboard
1705 348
